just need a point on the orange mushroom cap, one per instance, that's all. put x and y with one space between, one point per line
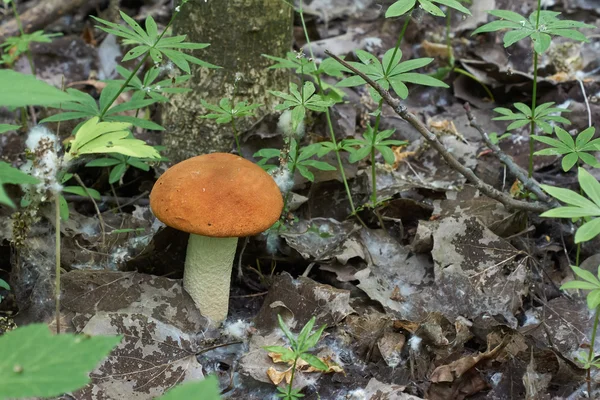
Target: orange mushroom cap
217 195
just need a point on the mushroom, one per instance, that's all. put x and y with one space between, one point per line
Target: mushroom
217 198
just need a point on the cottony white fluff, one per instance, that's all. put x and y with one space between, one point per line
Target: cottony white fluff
237 330
45 144
286 126
358 394
283 178
415 343
272 242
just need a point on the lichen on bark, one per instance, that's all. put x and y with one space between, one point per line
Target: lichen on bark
238 31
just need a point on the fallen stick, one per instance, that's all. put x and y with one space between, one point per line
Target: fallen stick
432 139
39 16
529 183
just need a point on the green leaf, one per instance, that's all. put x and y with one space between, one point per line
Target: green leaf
399 8
387 153
63 208
206 389
454 4
569 161
593 299
103 162
12 176
8 127
314 361
35 363
117 173
78 190
508 15
586 275
108 137
286 330
313 339
431 8
320 165
579 285
568 196
590 185
4 284
588 231
20 90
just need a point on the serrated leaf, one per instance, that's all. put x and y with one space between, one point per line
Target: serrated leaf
46 374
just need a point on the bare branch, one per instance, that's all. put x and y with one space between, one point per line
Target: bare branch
432 139
530 184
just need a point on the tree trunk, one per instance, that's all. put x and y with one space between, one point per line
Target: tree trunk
238 31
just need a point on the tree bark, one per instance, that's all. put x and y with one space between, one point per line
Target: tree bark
238 31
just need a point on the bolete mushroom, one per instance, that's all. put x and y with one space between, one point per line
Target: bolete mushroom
217 198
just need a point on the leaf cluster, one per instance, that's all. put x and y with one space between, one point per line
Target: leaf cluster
518 28
389 72
361 148
148 87
108 137
13 47
224 113
401 7
571 150
579 206
543 116
298 101
84 106
299 347
588 282
150 41
120 163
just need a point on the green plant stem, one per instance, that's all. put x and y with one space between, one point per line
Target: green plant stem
373 168
22 32
136 69
534 95
470 75
57 259
291 384
329 122
378 118
591 352
399 41
237 139
448 43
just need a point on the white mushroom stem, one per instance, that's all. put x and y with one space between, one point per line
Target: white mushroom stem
207 274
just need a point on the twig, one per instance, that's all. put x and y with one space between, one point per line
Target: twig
80 182
587 103
204 350
111 200
530 184
41 15
401 110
